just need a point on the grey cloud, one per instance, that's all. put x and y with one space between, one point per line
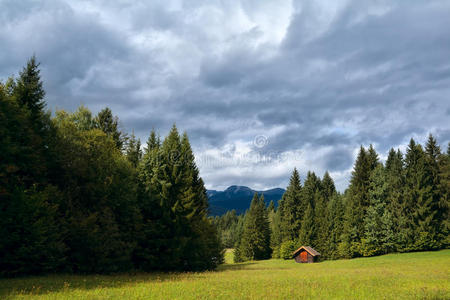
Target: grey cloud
378 73
338 160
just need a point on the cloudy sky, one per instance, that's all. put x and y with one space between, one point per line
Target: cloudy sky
260 86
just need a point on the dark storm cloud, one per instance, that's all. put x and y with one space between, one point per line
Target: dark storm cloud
310 77
338 160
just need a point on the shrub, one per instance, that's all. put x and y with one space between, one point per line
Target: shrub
287 248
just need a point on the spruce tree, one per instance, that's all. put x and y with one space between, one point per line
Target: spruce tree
378 235
310 196
308 230
153 142
109 124
322 214
32 238
335 225
420 200
271 206
372 158
357 203
255 239
29 89
434 159
395 179
133 150
203 250
275 230
291 211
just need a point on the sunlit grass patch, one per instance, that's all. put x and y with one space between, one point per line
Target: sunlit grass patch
424 275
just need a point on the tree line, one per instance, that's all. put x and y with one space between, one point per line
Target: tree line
399 206
79 195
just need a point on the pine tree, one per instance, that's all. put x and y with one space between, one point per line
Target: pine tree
357 203
323 215
291 210
395 179
372 158
153 142
238 256
434 159
265 251
255 240
328 188
275 230
29 89
420 200
203 249
155 229
310 196
133 151
336 220
28 93
109 124
378 235
271 206
32 239
308 230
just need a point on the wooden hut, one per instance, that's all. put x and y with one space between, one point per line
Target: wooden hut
305 254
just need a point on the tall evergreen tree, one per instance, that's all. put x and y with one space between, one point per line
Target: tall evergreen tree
420 200
271 206
434 159
372 158
310 196
275 231
203 249
379 234
255 240
308 230
335 225
153 142
155 230
395 180
357 203
32 239
133 151
291 209
109 124
29 89
323 217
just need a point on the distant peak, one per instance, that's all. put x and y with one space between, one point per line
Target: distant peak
237 188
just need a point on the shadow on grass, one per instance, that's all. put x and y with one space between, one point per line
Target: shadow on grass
38 285
240 266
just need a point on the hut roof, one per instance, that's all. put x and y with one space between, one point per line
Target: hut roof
307 249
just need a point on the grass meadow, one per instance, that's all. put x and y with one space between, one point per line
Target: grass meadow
423 275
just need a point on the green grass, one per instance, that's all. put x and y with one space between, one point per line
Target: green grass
424 275
229 255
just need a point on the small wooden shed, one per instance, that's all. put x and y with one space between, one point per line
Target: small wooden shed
305 254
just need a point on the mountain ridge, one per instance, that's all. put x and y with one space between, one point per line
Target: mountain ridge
238 198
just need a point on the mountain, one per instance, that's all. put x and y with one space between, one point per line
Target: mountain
238 198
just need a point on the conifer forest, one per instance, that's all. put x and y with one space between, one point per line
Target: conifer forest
80 195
